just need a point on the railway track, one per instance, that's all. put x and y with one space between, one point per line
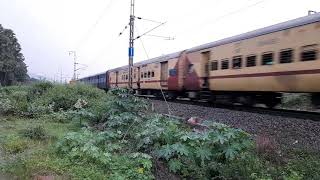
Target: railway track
290 129
289 113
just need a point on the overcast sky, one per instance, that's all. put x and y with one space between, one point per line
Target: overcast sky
48 29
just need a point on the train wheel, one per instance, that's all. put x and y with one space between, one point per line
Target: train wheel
246 100
272 99
271 104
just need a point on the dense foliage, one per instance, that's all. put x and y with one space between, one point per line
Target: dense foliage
12 66
79 132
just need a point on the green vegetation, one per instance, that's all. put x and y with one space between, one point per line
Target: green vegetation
79 132
297 101
12 67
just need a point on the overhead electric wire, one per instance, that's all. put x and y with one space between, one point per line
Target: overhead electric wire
149 30
92 28
140 18
138 37
226 15
162 93
145 51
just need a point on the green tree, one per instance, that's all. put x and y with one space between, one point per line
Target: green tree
12 66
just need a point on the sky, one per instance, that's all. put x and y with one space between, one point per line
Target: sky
48 29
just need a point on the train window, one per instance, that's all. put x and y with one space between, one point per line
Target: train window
237 62
141 75
309 53
149 74
172 72
152 74
251 61
286 56
267 59
214 65
190 68
145 75
225 64
127 77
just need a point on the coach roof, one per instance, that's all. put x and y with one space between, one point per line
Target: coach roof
149 61
259 32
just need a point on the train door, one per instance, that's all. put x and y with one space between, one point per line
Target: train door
117 75
205 61
138 78
107 81
164 74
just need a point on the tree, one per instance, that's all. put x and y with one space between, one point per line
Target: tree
12 66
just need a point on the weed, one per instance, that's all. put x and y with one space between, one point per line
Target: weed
268 148
14 145
35 133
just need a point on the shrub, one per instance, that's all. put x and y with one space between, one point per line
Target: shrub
103 149
64 97
14 145
38 89
120 108
296 101
36 110
192 153
35 133
6 106
269 149
14 100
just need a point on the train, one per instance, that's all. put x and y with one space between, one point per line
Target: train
255 67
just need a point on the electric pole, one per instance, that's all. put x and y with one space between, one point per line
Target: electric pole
74 64
132 38
131 42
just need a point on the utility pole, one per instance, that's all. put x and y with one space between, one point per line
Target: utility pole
131 42
74 64
132 38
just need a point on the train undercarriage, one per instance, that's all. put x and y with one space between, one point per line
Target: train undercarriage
270 99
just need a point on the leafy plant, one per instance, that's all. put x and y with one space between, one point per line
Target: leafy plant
39 88
104 149
64 97
6 106
34 132
189 152
14 145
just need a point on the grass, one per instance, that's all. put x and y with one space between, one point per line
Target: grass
23 156
33 141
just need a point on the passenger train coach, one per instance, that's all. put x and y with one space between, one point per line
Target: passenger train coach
254 67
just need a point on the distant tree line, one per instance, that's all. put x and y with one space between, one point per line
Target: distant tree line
12 66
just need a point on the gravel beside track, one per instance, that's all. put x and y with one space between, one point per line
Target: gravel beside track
289 133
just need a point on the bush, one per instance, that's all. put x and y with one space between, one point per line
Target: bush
296 101
104 150
36 110
14 100
14 145
6 106
35 133
197 154
119 109
38 89
20 101
64 97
